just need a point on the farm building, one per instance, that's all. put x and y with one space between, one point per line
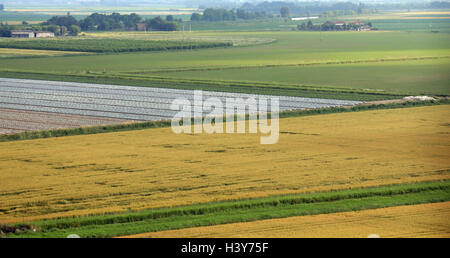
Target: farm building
44 34
141 27
336 23
22 34
364 28
359 26
31 34
358 23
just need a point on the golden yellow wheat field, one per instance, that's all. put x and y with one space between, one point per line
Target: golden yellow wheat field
424 18
9 52
424 220
134 170
426 13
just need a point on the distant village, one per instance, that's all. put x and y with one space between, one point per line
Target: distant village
336 26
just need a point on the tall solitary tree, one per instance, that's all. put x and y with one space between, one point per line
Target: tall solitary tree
285 12
74 30
196 17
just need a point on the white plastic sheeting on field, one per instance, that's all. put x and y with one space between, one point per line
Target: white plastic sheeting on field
122 102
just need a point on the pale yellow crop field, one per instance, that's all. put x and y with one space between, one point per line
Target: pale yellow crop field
425 13
20 22
9 52
399 15
424 220
424 18
134 170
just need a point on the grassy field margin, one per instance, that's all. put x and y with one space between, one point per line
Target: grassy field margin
110 225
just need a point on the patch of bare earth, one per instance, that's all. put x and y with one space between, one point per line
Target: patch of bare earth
15 121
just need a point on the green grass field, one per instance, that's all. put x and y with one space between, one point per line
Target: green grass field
267 57
105 45
339 61
111 225
382 21
413 77
417 25
290 48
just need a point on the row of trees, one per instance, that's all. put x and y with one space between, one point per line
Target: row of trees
330 27
285 12
335 13
115 21
72 30
5 30
274 7
68 25
60 25
160 24
317 7
211 14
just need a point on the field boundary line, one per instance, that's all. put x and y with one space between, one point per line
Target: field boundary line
193 84
289 65
231 211
131 126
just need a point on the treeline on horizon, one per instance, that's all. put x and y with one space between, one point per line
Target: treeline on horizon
273 9
115 21
68 25
319 7
211 14
280 9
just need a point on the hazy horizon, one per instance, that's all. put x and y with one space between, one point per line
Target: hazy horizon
183 2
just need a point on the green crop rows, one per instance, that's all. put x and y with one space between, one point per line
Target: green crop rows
107 45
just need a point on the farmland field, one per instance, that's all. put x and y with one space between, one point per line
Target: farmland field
290 48
106 45
12 52
413 63
86 146
118 102
423 220
420 21
364 149
213 213
14 121
413 77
